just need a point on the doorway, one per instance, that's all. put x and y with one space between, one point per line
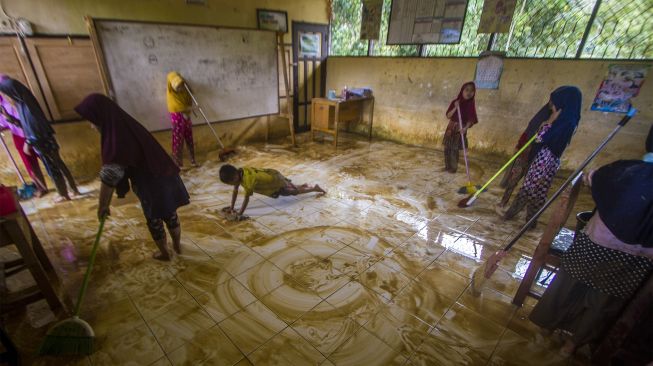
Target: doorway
309 53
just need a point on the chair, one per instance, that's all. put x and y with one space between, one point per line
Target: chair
15 229
554 242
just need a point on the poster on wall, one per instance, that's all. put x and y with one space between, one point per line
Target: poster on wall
488 70
619 87
426 21
371 19
497 16
274 20
310 45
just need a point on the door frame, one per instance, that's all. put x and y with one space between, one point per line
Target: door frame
298 27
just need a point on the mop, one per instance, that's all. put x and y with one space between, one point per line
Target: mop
224 152
467 201
485 271
27 190
74 336
469 188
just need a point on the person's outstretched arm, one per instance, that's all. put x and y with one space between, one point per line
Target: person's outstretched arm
106 192
243 207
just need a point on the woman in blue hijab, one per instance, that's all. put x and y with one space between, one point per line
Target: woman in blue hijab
552 139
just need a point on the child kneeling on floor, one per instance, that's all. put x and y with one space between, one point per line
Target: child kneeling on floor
267 182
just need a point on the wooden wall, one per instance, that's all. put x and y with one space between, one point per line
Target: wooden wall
60 71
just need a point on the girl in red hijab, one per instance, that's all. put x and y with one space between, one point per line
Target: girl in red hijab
452 142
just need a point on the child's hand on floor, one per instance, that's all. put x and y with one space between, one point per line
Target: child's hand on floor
234 216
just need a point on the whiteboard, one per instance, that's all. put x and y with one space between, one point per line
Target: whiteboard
232 72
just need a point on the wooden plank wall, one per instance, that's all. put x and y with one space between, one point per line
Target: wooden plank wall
60 71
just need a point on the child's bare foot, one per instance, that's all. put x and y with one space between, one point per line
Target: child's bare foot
319 189
40 194
176 247
61 199
164 257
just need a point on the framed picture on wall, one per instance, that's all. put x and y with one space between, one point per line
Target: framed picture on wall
274 20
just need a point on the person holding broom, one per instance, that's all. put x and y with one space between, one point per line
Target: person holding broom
464 103
131 156
553 138
39 135
180 104
9 121
523 161
608 260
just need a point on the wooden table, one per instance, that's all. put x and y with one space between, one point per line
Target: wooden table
327 115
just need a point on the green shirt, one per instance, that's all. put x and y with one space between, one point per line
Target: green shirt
262 181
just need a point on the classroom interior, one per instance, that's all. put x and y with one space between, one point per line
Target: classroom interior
377 271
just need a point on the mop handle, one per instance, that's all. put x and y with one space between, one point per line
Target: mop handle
13 162
462 139
512 159
91 261
577 174
203 115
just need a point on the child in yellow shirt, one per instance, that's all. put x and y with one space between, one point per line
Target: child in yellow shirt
267 182
180 105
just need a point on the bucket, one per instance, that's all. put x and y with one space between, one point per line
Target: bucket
582 218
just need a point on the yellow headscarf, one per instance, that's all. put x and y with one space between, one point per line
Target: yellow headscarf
178 101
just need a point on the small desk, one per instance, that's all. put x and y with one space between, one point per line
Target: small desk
327 114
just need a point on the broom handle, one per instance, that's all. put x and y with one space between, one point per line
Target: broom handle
572 178
203 115
512 159
91 261
13 162
462 139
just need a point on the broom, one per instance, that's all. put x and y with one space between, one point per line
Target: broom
467 201
485 271
74 336
27 190
469 187
224 152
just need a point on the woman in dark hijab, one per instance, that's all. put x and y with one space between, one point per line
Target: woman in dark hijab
130 154
39 135
608 261
553 138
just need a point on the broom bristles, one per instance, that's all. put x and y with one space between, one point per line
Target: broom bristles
478 280
72 336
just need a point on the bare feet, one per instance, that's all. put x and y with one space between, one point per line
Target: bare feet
161 256
40 194
319 189
61 199
176 247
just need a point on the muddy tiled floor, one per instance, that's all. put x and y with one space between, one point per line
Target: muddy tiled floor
377 272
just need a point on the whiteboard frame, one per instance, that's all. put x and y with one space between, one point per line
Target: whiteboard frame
104 70
420 44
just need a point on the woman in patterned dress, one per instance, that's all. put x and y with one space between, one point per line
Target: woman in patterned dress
553 138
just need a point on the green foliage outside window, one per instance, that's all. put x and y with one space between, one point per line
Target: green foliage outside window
622 29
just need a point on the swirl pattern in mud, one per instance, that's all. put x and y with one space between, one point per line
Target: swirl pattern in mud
326 290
